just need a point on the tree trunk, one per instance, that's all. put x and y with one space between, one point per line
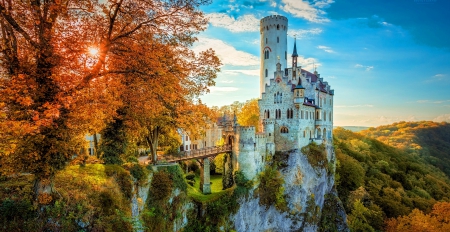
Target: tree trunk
152 140
43 190
96 145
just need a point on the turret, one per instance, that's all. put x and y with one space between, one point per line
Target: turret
299 94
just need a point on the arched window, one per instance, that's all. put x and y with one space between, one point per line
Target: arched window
324 132
267 73
278 27
324 116
281 97
278 39
267 27
317 115
329 118
268 113
304 134
302 115
266 40
274 98
288 113
284 130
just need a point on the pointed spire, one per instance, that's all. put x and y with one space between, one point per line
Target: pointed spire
294 53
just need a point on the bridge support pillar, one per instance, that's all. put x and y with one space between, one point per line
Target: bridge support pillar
205 182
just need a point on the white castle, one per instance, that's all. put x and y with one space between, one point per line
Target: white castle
296 106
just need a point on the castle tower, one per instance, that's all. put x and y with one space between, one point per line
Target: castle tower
273 30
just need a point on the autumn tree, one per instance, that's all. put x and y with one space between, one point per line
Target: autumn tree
437 220
52 91
249 114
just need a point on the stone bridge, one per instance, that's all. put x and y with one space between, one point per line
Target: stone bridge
198 153
202 156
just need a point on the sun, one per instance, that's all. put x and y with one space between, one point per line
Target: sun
93 51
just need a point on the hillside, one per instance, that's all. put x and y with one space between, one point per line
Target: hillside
429 140
94 197
377 181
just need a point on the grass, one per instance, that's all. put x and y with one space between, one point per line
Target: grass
16 188
216 190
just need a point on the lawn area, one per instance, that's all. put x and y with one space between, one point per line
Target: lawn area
216 189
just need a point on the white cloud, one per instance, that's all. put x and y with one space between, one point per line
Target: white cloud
302 9
368 68
438 77
353 106
301 33
243 23
442 118
226 53
215 89
227 81
308 63
273 4
323 3
433 101
250 72
325 48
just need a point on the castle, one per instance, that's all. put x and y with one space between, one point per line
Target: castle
296 106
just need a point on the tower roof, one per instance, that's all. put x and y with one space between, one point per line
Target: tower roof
299 85
294 53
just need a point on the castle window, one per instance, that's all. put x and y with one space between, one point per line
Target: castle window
187 148
278 39
284 130
278 27
329 116
267 73
274 98
266 40
324 116
317 115
281 97
288 113
285 55
302 115
307 115
267 27
324 133
304 134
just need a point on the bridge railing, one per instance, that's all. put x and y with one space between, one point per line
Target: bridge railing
202 152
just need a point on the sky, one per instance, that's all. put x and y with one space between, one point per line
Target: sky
387 61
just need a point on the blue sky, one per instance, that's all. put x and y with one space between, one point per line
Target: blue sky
387 61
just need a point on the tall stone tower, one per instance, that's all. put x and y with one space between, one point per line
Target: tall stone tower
273 30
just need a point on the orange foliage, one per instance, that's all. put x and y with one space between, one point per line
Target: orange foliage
53 92
438 220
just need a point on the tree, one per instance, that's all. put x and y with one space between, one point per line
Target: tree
249 114
47 76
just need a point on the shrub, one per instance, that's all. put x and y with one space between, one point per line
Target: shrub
271 191
316 154
161 186
138 172
122 178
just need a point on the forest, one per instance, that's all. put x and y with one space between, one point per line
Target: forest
387 178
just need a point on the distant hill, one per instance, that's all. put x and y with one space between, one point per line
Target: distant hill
376 181
429 140
354 128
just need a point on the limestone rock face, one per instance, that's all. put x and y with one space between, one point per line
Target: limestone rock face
305 189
